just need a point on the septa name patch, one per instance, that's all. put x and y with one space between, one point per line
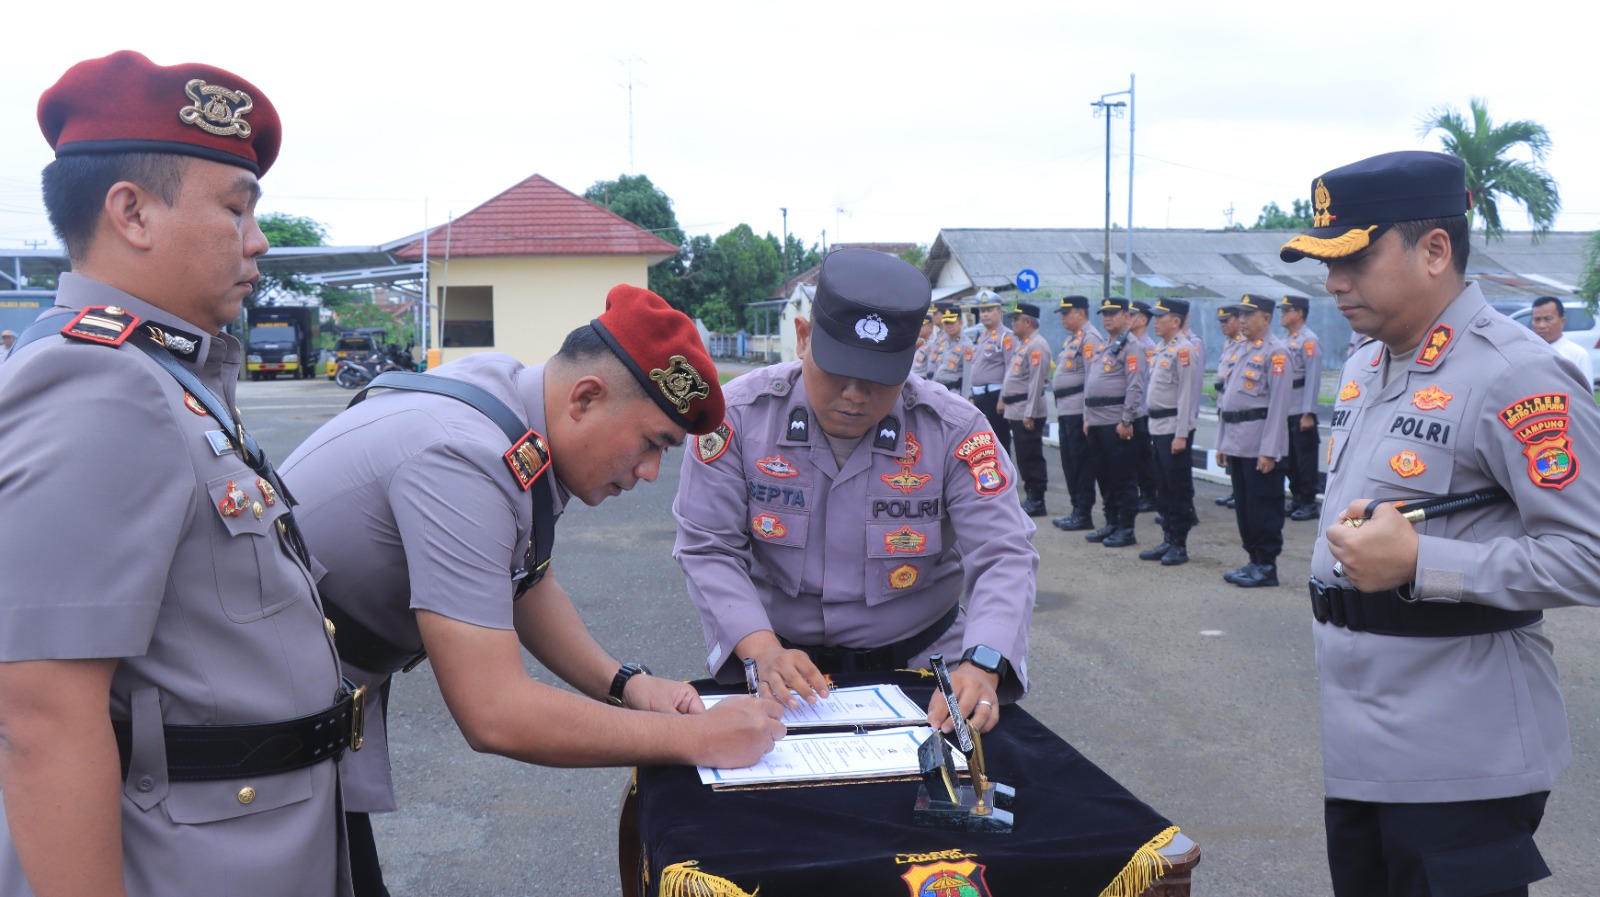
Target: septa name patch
528 459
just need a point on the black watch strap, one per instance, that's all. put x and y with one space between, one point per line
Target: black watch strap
987 659
619 682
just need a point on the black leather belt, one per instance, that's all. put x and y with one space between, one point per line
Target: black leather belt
890 657
1014 398
1158 413
1239 417
1385 613
361 647
1298 382
201 753
1104 401
1065 391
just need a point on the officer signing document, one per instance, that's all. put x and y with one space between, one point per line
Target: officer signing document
840 513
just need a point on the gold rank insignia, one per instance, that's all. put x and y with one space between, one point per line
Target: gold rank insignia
680 383
528 459
1438 339
108 325
217 110
268 494
1322 201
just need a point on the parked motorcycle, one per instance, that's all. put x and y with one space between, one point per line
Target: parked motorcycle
354 374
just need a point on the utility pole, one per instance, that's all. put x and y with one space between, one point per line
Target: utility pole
629 63
1108 111
785 252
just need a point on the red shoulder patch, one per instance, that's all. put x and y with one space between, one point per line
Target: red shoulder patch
710 447
528 459
1434 346
105 324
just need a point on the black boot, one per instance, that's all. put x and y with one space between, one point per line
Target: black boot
1034 505
1122 536
1159 551
1257 576
1178 553
1306 512
1100 534
1237 573
1077 520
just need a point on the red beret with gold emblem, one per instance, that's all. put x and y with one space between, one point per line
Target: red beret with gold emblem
124 103
660 345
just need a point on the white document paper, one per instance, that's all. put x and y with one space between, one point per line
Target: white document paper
865 705
828 757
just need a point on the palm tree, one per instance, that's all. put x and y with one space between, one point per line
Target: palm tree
1491 174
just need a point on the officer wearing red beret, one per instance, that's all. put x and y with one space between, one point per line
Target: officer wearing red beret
170 701
433 506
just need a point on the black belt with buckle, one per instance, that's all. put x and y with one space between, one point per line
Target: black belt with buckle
831 660
1239 417
1014 398
1298 382
1386 613
1158 413
1064 391
232 751
1104 401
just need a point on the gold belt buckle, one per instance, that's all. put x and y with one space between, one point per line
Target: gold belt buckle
358 705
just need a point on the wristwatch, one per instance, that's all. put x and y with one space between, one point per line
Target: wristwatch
987 659
620 681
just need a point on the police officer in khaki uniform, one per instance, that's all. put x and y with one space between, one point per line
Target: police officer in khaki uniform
1227 357
1113 393
435 527
1174 369
922 362
987 363
1144 467
1443 728
170 701
1251 445
836 519
1305 369
1022 402
950 350
1083 341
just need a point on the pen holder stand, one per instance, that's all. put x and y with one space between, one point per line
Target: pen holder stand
942 802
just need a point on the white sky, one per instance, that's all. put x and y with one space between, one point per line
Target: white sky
872 121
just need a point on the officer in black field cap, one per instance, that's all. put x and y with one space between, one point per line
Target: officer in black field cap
1443 726
1022 401
836 519
1144 468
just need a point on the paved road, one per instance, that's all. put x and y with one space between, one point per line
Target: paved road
1199 697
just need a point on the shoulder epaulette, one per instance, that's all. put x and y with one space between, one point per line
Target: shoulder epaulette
108 325
528 459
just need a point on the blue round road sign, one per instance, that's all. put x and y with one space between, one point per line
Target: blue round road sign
1027 280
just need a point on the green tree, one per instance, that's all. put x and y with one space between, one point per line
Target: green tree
916 255
1589 286
1491 173
1274 218
797 258
370 314
296 230
635 198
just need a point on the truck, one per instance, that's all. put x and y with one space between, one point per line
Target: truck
282 339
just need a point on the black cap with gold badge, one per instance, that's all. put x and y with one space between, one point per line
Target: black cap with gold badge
1068 303
1352 206
1252 302
1113 304
950 316
1164 307
1296 303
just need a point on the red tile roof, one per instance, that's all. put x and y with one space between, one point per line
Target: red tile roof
539 217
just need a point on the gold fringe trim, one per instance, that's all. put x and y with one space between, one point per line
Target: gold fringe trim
1142 871
1337 248
926 674
686 880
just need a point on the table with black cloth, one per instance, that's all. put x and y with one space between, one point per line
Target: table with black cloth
1077 831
